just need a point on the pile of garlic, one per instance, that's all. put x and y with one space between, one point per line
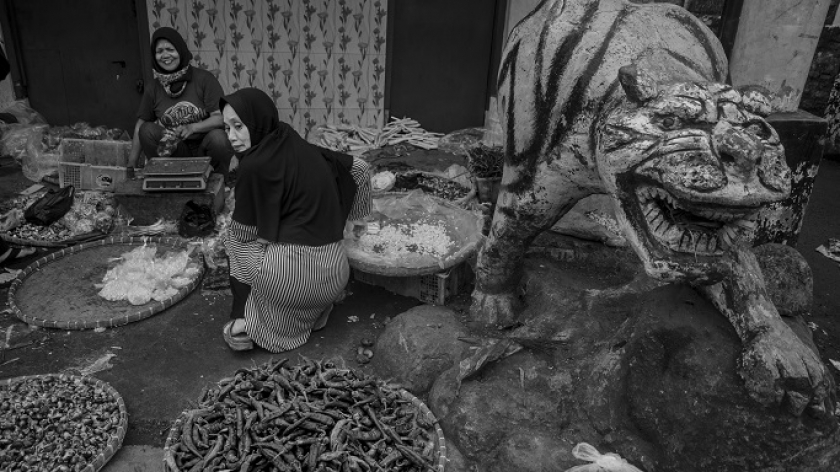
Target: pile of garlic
395 240
142 277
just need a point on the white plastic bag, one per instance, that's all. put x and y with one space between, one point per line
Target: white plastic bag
598 462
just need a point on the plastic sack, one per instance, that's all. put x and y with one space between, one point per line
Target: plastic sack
15 137
39 161
598 462
196 220
25 114
51 207
461 141
168 143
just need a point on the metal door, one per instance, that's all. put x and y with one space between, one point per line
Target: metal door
80 59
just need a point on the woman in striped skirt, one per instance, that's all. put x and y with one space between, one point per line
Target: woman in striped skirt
287 260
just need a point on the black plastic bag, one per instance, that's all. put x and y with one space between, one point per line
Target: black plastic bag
51 207
196 220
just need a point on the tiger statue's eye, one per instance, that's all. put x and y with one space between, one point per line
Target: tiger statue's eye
669 122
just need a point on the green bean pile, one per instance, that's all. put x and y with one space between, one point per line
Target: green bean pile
311 417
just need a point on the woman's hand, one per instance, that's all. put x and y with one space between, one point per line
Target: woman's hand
185 131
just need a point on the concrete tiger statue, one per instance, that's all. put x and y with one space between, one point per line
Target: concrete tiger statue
628 99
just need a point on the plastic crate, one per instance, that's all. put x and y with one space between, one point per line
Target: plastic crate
95 152
434 289
89 177
93 165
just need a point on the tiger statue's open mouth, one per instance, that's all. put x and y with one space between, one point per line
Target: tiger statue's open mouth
682 227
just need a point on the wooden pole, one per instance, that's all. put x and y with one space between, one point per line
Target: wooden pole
774 46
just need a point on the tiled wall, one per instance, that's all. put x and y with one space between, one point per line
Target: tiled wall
323 61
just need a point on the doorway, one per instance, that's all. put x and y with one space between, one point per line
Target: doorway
78 61
442 60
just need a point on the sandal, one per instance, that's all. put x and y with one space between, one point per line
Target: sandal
237 342
323 318
17 253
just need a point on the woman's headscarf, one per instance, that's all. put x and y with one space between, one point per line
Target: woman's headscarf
291 190
173 82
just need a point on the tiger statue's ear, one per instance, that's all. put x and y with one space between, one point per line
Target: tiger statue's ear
638 86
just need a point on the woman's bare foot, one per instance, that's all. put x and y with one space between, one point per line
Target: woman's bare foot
238 326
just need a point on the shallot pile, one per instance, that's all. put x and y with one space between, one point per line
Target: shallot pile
55 423
315 417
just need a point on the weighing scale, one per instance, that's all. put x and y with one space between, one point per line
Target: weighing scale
176 174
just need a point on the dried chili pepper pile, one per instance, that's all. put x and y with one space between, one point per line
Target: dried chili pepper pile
56 423
311 417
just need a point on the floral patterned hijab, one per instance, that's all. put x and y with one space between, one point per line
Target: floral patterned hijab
173 83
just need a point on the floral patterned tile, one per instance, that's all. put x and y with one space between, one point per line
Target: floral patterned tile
172 13
379 26
313 117
376 81
354 26
282 78
244 23
210 60
317 19
372 118
316 78
352 81
292 117
348 116
242 70
283 24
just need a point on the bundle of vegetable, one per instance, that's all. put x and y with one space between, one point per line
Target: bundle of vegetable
355 139
399 239
314 417
141 276
58 423
485 162
431 184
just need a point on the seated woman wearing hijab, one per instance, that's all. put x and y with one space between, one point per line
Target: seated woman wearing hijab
292 200
179 113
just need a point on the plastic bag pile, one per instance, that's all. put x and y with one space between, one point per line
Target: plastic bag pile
142 276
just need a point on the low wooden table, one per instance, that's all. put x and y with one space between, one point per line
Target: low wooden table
147 207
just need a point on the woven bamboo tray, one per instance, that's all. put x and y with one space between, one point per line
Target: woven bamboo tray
359 262
57 291
115 440
82 238
440 448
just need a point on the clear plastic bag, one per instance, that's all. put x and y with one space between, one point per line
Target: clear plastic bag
25 114
598 462
461 141
39 161
15 137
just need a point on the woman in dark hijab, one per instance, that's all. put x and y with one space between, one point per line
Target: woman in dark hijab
292 199
179 114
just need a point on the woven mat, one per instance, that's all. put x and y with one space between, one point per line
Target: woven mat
57 291
114 441
92 236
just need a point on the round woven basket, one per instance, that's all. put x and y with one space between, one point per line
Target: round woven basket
462 254
440 446
115 440
87 237
67 278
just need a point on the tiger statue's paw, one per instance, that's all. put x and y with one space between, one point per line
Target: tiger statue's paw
779 369
494 309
